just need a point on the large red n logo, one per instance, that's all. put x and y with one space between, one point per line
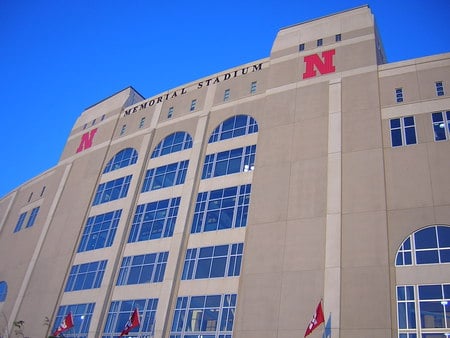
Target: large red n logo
86 140
324 65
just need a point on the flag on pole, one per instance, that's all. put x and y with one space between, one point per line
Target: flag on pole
316 320
65 325
132 323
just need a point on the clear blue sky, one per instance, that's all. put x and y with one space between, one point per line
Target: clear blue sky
59 57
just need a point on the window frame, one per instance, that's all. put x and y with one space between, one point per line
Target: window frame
405 131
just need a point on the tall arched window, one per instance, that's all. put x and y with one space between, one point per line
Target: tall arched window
174 142
3 291
235 126
123 158
423 283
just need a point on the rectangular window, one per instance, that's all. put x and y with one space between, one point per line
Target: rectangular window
253 87
226 95
403 131
170 112
440 88
20 221
154 220
122 131
86 276
32 218
221 209
406 313
441 125
229 162
165 176
204 316
141 123
213 262
112 190
301 47
399 95
99 231
141 269
193 105
120 312
319 42
338 37
81 314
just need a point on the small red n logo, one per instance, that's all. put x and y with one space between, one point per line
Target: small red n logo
86 140
324 65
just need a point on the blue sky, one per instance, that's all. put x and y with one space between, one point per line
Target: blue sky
59 57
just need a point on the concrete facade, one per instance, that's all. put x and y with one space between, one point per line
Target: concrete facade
331 199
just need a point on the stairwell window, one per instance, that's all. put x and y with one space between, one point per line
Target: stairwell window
403 131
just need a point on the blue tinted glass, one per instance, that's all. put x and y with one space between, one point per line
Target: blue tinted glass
439 132
431 314
427 257
430 292
425 238
446 288
437 117
218 267
444 236
396 135
409 121
407 258
445 255
395 123
410 134
407 244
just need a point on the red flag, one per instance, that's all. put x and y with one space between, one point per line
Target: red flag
316 320
132 323
65 325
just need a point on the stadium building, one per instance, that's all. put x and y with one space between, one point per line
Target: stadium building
238 204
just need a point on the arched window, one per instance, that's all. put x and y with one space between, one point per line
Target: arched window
235 126
430 245
423 286
174 142
123 158
3 291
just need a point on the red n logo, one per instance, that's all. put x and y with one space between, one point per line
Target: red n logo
86 140
324 65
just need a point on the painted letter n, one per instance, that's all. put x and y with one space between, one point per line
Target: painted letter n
324 65
86 140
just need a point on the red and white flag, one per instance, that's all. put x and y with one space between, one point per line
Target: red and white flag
132 323
65 325
316 320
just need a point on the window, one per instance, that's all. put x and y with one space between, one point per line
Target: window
403 131
103 117
142 122
99 231
399 95
85 126
32 218
221 209
148 268
20 221
439 88
93 122
81 314
226 95
174 142
170 113
319 42
204 316
42 191
235 126
121 311
229 162
165 176
3 291
154 220
441 125
430 245
112 190
124 128
301 47
253 87
86 276
123 158
29 197
338 37
213 262
193 105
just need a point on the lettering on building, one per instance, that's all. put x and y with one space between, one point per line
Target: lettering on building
323 64
86 140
